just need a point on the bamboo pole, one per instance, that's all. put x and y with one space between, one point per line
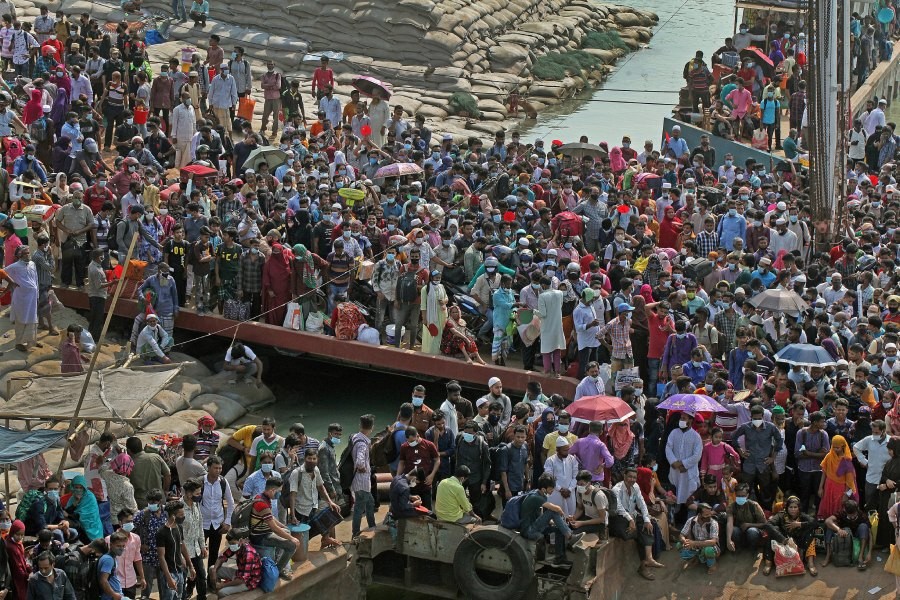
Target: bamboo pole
73 422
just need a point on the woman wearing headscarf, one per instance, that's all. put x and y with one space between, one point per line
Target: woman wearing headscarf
892 418
640 336
670 230
83 512
303 278
624 447
18 563
434 314
617 161
791 523
60 190
59 109
276 285
456 338
839 478
59 156
890 483
118 485
34 108
546 426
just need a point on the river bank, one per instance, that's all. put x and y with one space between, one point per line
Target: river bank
453 61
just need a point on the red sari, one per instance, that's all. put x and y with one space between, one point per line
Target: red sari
276 286
670 233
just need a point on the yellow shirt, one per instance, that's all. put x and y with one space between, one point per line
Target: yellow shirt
245 436
451 503
550 441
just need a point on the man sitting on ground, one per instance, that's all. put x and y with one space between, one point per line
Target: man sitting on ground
700 539
245 576
850 522
746 520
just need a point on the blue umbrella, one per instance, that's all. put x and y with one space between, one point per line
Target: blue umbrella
805 355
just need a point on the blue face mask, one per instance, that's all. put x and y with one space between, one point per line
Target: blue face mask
741 500
335 441
469 437
562 428
655 467
697 364
418 401
153 507
53 495
496 218
277 495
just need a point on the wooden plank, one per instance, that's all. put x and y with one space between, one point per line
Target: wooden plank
356 353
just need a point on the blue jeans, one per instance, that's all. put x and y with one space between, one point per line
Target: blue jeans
363 502
165 593
653 376
749 538
487 329
334 290
550 522
179 10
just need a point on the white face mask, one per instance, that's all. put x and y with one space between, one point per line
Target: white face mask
682 424
581 488
757 422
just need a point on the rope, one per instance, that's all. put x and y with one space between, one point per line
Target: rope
314 290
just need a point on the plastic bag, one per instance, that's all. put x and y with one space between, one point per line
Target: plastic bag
873 524
892 565
293 317
315 322
787 559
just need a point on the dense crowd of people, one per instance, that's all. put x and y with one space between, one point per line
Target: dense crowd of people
643 261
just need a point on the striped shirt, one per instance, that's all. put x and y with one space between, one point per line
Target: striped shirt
361 479
620 333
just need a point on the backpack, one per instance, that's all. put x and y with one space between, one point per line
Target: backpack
407 287
38 130
384 450
240 518
224 491
347 466
611 501
495 459
112 241
269 571
567 223
511 517
25 505
697 268
842 550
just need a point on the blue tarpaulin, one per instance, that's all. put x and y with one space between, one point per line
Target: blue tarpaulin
16 446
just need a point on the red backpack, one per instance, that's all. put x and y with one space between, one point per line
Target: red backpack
567 223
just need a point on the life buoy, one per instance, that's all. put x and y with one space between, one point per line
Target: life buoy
470 582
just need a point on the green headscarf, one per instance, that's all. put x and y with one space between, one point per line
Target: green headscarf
309 275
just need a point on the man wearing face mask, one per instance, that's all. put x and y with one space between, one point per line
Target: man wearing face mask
129 567
75 220
746 521
223 96
226 581
174 560
684 448
872 454
112 585
50 582
472 453
762 441
307 489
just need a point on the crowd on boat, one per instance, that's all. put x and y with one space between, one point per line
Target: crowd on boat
648 272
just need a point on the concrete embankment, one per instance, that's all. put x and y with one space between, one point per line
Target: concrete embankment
453 61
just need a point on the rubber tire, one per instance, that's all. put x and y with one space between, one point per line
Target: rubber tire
467 578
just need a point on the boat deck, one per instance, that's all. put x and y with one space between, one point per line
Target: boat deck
352 353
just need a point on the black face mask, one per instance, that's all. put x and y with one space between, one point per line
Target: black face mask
493 419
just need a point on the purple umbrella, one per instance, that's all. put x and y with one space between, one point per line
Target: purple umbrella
398 170
366 85
692 403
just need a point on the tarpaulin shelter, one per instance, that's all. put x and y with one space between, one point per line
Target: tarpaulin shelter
16 446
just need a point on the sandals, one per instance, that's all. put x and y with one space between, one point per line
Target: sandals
767 568
812 570
862 566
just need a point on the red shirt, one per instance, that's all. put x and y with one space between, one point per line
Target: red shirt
322 77
95 196
422 455
657 336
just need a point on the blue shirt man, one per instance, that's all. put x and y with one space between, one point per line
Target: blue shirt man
731 226
27 162
696 369
107 566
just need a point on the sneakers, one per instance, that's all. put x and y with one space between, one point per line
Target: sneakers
574 539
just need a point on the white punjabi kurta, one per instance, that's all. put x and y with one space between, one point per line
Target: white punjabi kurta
687 447
565 470
23 307
550 304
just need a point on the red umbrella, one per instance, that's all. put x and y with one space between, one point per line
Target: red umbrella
760 57
608 409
